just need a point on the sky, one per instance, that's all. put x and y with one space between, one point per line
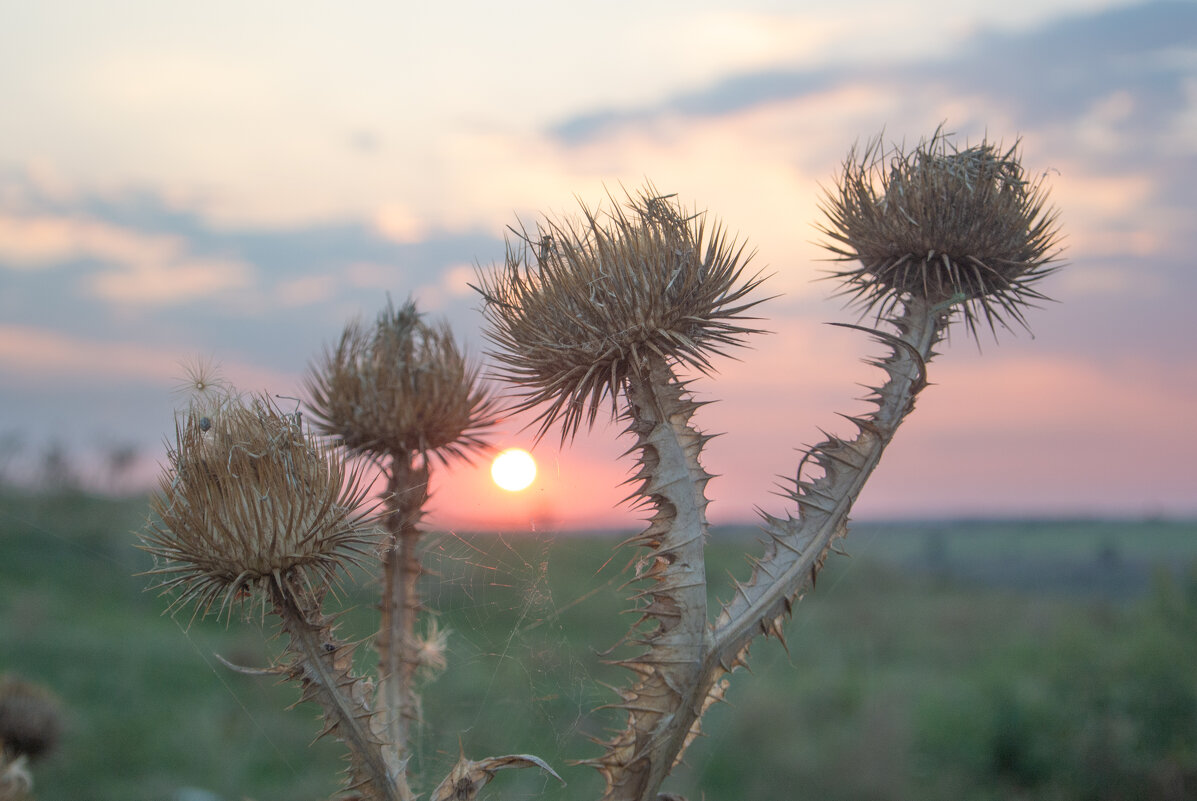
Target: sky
238 180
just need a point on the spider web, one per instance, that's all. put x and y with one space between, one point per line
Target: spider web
527 616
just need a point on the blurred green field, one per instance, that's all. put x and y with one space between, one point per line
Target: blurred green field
942 661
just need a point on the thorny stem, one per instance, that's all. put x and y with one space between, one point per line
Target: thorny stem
798 546
639 758
679 679
322 665
407 491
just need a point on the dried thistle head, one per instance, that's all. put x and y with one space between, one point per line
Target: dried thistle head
399 388
249 496
942 224
578 308
30 719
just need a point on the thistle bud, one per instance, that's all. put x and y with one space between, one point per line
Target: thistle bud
578 307
944 225
248 496
400 388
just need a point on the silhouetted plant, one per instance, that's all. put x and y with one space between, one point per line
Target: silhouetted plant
607 309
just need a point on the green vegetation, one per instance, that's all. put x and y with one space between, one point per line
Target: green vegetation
900 682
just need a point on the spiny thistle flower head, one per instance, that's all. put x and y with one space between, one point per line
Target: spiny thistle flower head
30 719
400 387
249 496
579 308
943 224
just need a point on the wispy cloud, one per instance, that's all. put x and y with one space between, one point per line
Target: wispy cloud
1053 71
39 354
30 242
132 267
168 283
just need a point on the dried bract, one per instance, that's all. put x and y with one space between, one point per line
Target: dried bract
944 224
30 719
248 496
575 310
400 388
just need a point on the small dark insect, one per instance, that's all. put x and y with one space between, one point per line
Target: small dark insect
205 423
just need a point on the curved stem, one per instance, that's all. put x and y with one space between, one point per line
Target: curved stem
798 546
322 664
673 625
679 675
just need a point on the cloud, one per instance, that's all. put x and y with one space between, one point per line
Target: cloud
306 291
140 267
1043 74
39 353
399 223
86 265
40 240
1115 135
727 96
159 284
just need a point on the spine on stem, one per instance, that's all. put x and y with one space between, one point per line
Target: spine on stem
797 547
931 233
661 705
322 665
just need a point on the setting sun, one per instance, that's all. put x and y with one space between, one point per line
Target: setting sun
513 469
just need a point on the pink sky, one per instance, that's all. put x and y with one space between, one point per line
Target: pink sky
237 185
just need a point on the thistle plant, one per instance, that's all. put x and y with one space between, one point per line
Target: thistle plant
608 309
255 510
252 510
402 394
611 309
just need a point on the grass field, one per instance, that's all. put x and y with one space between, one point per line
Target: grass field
1024 660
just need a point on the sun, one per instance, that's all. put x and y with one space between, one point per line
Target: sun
514 469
